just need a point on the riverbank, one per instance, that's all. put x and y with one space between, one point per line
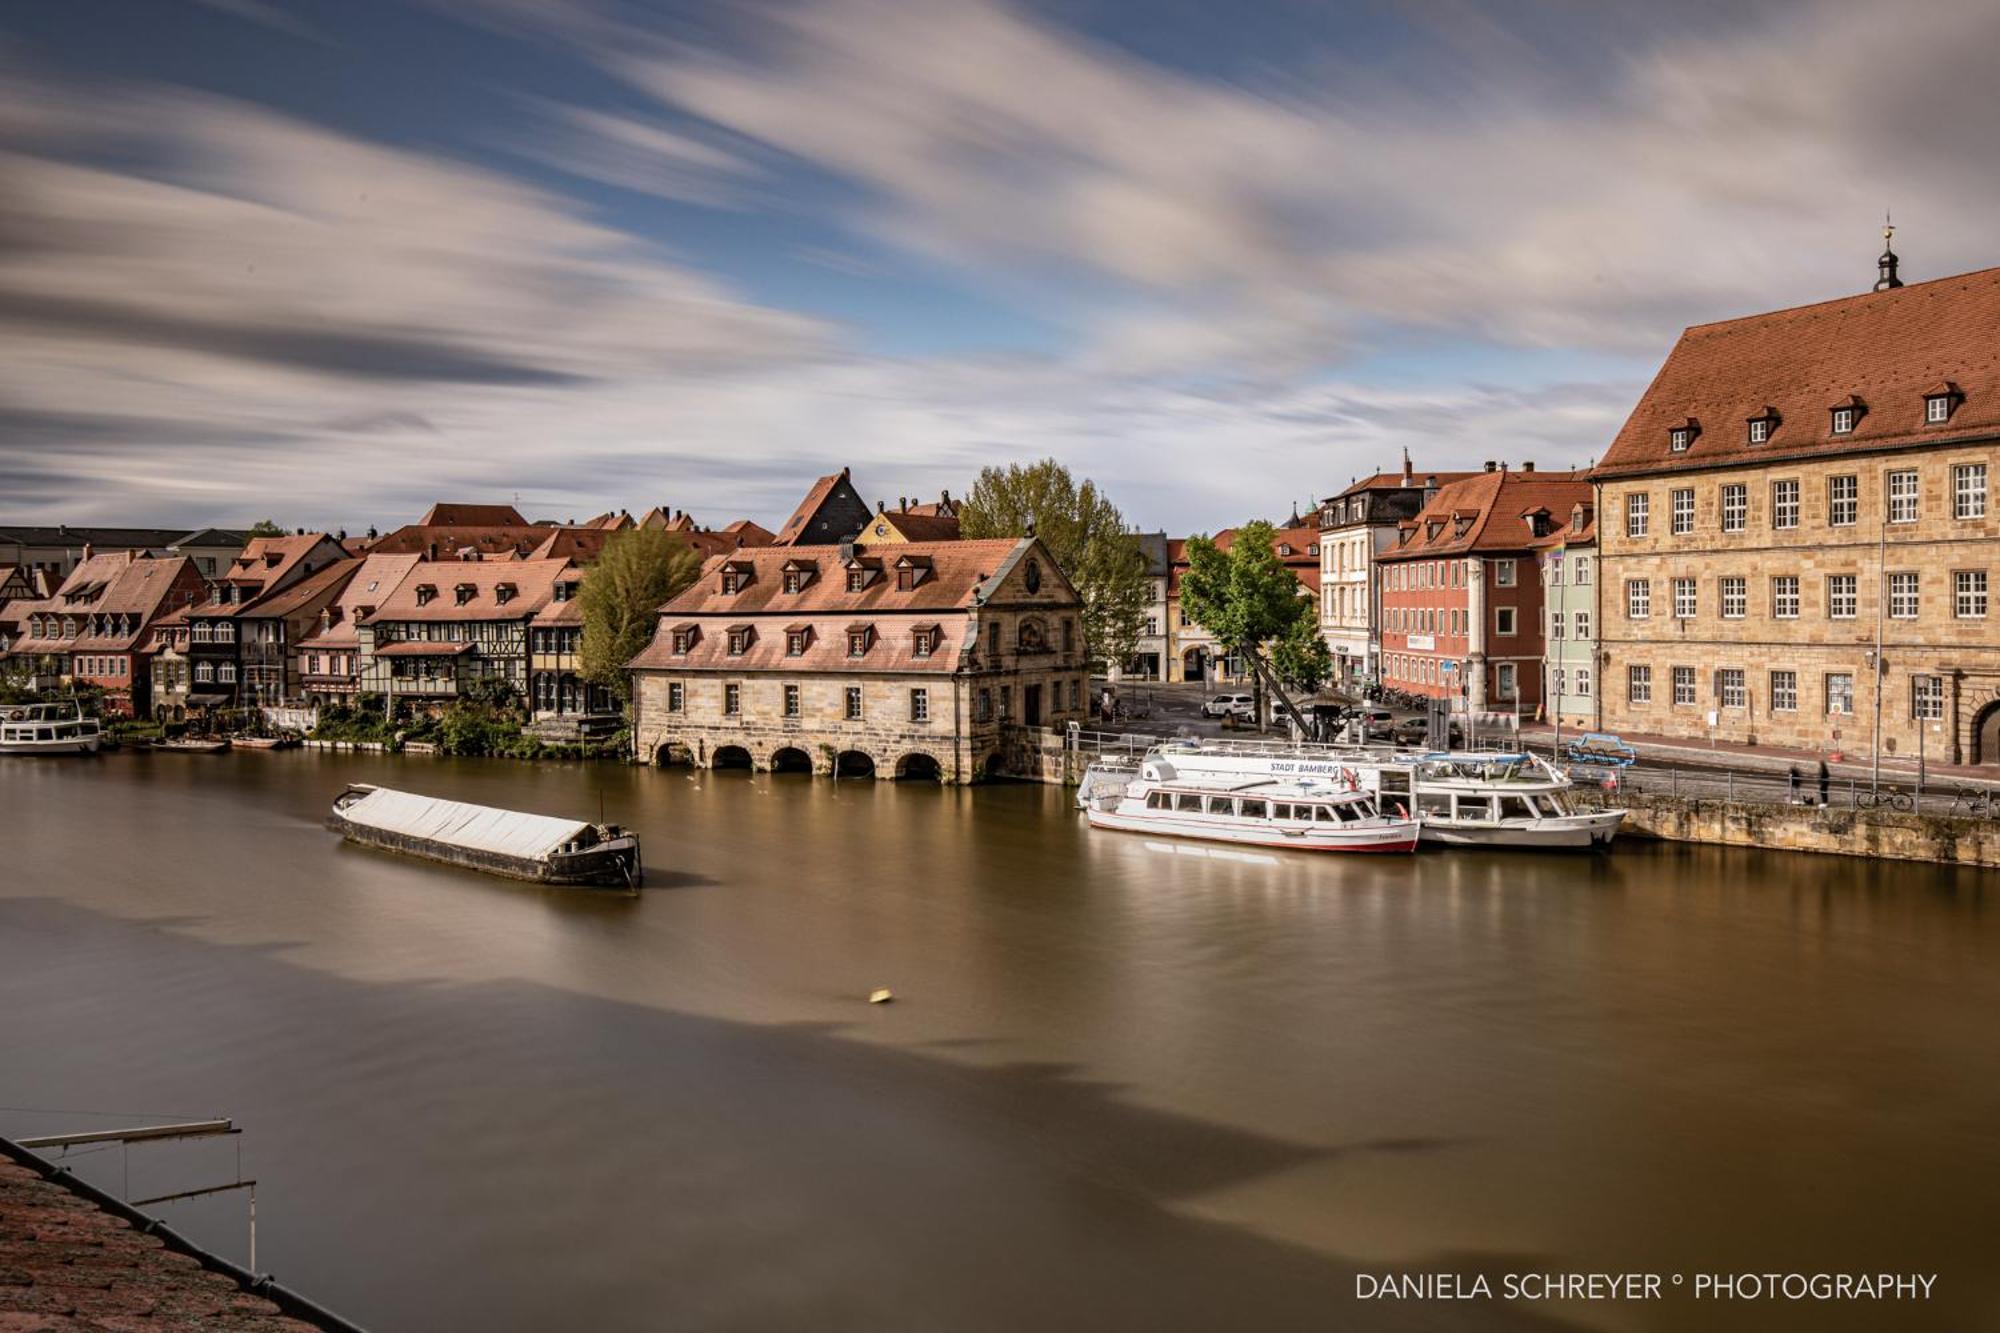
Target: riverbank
1830 830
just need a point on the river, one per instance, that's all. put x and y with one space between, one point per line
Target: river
1123 1084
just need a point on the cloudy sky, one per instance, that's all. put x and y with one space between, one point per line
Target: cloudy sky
327 260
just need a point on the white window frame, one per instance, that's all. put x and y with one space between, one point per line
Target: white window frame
1843 591
1937 409
1968 588
1733 591
1926 698
1503 573
1680 509
1638 599
1905 594
1784 691
1638 513
1684 695
1843 421
1968 501
1843 497
1732 691
1785 503
1785 596
1760 429
1638 684
1735 507
1845 695
1904 495
1687 598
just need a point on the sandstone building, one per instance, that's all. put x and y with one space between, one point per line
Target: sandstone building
1798 529
903 659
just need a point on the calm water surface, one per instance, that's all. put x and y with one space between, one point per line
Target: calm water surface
1124 1085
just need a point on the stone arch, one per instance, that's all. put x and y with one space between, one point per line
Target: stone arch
791 759
1195 663
671 754
730 756
854 764
919 766
1986 734
993 766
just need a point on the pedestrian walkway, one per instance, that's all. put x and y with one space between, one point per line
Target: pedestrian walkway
1776 759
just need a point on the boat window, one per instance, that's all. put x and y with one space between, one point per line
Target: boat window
1437 804
1221 805
1516 807
1348 811
1157 800
1281 810
1394 781
1304 812
1476 808
1326 815
1185 801
1557 803
1252 810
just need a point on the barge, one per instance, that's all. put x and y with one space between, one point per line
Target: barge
541 848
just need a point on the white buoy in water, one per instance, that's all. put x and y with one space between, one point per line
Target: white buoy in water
881 995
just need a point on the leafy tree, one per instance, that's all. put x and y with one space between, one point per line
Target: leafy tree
265 527
621 596
1247 598
1086 535
1300 658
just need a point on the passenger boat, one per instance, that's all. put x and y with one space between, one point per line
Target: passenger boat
1462 798
1307 817
49 728
542 848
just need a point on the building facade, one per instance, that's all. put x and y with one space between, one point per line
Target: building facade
1799 537
328 654
456 628
267 565
910 659
94 630
1193 653
1355 527
1572 673
1461 592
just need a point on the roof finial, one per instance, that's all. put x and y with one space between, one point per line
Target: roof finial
1886 266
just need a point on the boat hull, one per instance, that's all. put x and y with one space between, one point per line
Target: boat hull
1394 836
1593 830
611 864
67 745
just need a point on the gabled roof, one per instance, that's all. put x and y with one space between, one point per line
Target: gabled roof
1486 512
325 584
1890 347
371 584
471 515
267 560
142 590
918 527
1396 481
959 572
810 523
751 534
534 584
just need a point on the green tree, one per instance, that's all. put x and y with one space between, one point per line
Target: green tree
621 596
1247 598
1300 658
1086 535
265 527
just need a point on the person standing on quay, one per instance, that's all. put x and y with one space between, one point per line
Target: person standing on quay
1825 778
1794 774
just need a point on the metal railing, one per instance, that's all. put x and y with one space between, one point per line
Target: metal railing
1947 799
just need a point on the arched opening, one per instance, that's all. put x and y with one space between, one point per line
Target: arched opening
729 756
672 754
791 759
1194 664
919 767
994 766
854 764
1986 735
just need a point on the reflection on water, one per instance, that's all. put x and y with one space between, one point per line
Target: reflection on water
1126 1083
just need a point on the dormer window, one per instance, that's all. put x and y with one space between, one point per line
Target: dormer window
797 576
1940 401
735 578
425 592
1762 425
684 639
923 640
740 639
858 639
463 593
1680 438
504 593
1843 421
1284 548
797 639
911 571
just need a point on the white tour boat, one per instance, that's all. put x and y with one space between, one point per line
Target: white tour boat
1307 817
1463 798
54 728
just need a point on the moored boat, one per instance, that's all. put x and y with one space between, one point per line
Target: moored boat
194 745
264 742
1309 817
543 848
60 727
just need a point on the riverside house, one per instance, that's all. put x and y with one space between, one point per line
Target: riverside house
451 626
1355 527
557 690
267 565
1799 537
908 659
328 655
92 631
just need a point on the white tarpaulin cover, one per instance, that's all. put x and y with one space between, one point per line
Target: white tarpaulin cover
481 827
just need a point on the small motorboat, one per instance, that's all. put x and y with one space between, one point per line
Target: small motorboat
1307 817
264 742
49 728
193 745
546 849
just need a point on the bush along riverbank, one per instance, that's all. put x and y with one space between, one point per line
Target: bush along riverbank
488 725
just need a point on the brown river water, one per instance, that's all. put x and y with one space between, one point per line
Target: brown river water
1124 1085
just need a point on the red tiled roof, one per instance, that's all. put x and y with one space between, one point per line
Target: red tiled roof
957 568
256 566
926 527
140 592
533 580
1492 507
422 648
582 545
1394 481
892 648
287 601
1889 348
1303 561
448 540
753 534
370 586
460 515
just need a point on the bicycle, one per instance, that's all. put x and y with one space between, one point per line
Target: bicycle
1974 803
1893 797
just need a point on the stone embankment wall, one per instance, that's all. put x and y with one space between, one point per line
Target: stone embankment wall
1878 833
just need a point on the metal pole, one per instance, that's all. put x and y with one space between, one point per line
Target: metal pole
1881 598
253 1226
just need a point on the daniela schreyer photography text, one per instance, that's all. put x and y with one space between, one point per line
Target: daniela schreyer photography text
1886 1287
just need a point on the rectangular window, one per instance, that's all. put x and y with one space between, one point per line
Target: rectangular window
676 696
1785 596
1681 504
1903 497
1969 594
1842 598
1503 573
1583 682
1557 678
857 643
1927 698
1579 570
1638 684
1784 504
1903 596
1843 501
1503 621
739 642
1638 599
795 643
1504 680
982 706
1968 491
732 699
1730 689
1937 409
1556 625
920 705
1843 421
1735 508
1638 513
1839 694
1784 691
1760 430
1685 600
1735 597
853 703
1583 624
791 701
1683 685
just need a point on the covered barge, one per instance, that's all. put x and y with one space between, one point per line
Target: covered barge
541 848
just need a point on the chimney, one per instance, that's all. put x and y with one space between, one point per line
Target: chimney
1491 465
902 504
1431 482
1528 466
433 551
1408 473
881 506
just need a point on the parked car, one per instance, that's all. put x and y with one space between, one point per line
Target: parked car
1416 731
1376 723
1230 705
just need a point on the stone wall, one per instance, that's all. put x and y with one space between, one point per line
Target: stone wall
1878 833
